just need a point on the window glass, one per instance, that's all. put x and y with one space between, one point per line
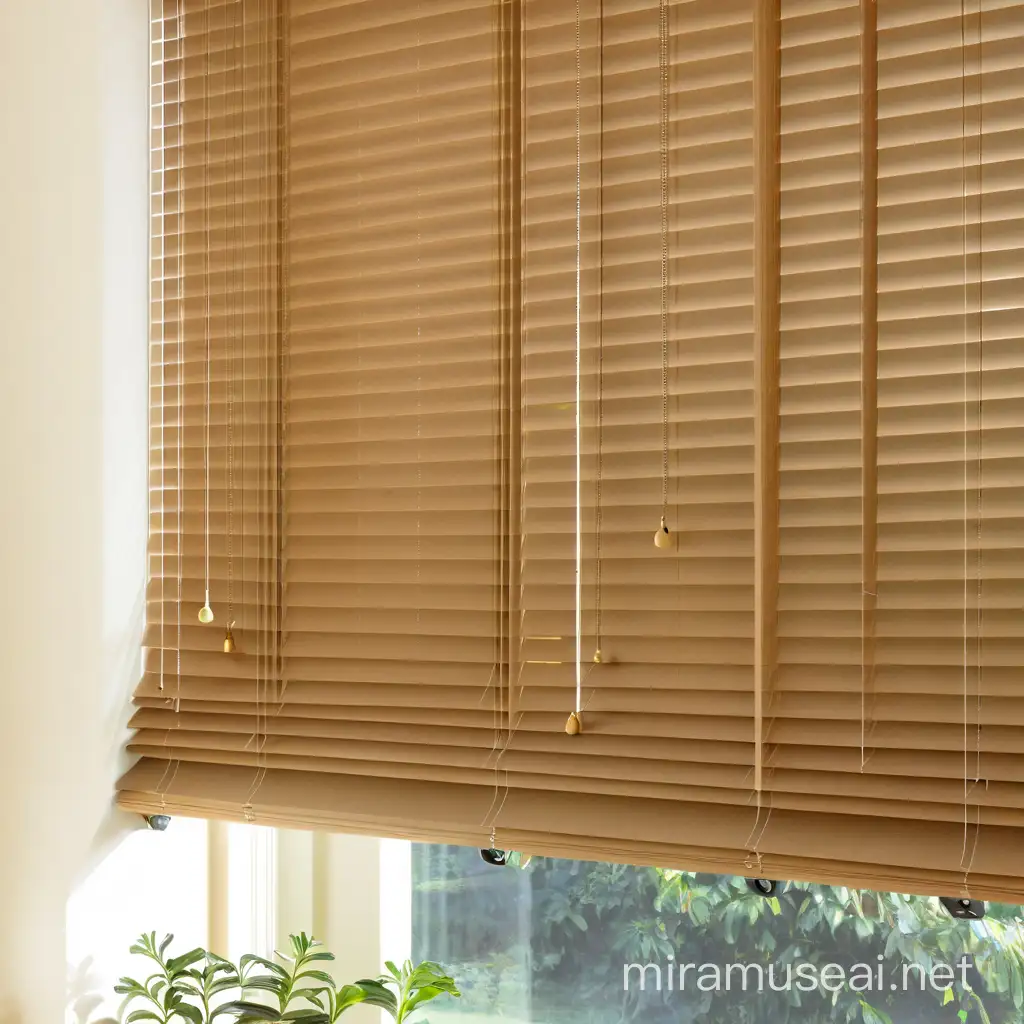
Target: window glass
572 942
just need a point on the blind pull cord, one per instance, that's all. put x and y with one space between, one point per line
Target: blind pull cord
574 724
971 780
663 539
206 612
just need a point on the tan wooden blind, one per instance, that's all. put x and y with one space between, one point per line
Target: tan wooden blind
384 524
667 715
393 549
214 373
459 492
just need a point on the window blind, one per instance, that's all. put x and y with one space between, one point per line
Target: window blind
666 747
214 376
381 672
457 432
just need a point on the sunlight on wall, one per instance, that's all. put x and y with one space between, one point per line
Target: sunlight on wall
154 881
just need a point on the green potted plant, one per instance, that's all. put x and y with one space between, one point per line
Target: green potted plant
200 987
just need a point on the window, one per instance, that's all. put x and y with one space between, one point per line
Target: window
577 942
553 941
409 563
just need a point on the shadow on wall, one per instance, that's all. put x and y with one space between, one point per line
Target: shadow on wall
124 411
84 996
122 668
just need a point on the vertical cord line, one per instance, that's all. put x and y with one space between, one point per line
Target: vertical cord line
269 336
162 356
869 358
243 316
258 275
966 371
219 243
265 222
275 349
516 233
282 65
419 321
507 340
579 383
264 605
208 324
244 322
499 681
258 327
663 67
258 589
509 262
501 716
250 363
767 278
171 766
263 429
180 389
981 376
599 485
269 396
161 20
231 308
267 377
968 863
497 678
266 335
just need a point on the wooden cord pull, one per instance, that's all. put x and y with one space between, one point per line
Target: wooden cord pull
662 538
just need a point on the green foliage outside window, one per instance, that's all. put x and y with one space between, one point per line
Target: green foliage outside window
547 943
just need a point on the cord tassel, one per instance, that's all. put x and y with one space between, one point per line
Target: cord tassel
573 725
662 538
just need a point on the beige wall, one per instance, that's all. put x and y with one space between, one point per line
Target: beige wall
73 158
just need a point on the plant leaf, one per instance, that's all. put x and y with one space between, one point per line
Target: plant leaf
347 996
222 985
190 1012
376 994
251 1011
177 964
316 976
262 983
251 958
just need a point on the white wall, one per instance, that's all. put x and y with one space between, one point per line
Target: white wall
154 881
73 312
